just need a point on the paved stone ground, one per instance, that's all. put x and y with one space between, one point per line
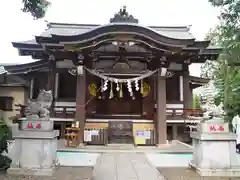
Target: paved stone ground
125 166
186 174
120 166
63 173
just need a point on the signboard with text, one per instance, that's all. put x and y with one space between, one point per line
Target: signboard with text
216 128
36 125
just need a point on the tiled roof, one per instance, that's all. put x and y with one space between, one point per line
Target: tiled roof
176 32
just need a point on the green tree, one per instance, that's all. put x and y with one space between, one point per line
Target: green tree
225 71
37 8
196 101
5 135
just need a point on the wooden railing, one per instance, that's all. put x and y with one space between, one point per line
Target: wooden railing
183 112
58 111
64 112
70 111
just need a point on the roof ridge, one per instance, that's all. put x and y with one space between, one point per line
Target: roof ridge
51 24
186 26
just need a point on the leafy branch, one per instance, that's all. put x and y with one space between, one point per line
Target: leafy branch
37 8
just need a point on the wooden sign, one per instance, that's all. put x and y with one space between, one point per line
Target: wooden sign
96 125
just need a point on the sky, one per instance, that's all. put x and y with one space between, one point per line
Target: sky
19 26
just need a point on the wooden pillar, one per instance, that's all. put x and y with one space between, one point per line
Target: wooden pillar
174 131
80 103
161 110
187 92
56 90
181 90
31 88
51 76
51 81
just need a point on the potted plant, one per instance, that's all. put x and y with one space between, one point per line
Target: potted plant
5 135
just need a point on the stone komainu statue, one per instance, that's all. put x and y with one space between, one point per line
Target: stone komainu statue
39 108
210 110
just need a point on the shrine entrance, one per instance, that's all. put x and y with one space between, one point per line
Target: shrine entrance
120 132
119 103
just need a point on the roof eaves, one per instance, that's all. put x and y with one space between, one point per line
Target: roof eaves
22 45
2 70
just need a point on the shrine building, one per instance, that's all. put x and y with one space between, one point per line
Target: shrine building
121 80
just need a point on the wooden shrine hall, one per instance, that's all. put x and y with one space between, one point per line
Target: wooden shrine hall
120 82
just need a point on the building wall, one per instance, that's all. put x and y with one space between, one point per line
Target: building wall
19 97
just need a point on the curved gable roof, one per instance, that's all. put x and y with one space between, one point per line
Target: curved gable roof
120 28
65 29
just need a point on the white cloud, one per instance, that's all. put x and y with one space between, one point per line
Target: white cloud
18 26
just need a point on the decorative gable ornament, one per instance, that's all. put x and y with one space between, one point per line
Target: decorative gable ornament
123 16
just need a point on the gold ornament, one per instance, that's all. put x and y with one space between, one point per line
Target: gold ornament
146 89
92 88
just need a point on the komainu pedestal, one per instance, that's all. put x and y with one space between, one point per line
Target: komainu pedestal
35 141
214 150
34 149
